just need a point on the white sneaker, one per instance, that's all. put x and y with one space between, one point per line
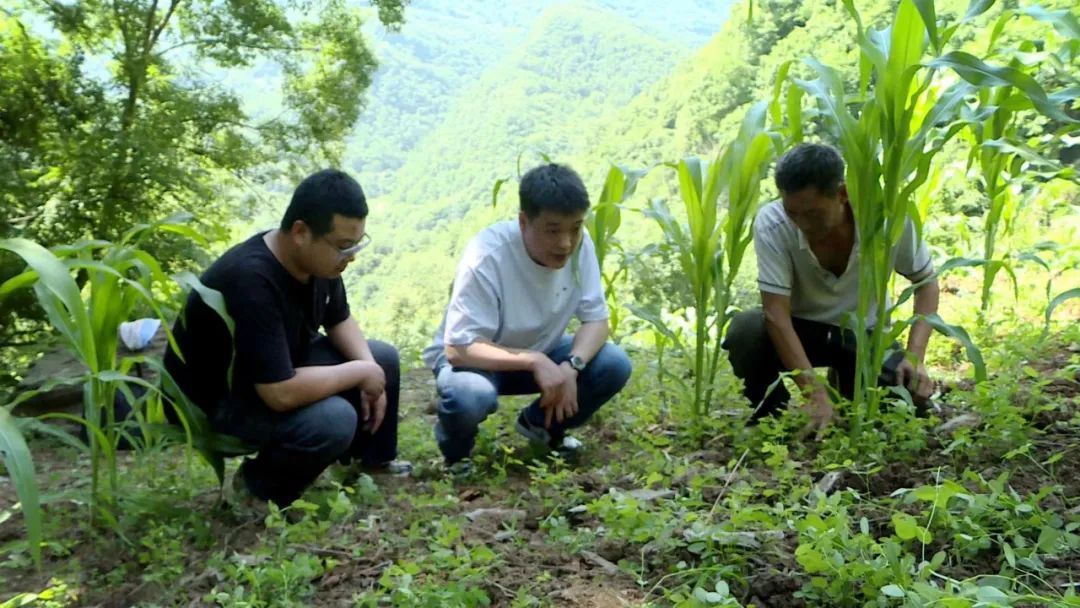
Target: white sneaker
541 436
397 468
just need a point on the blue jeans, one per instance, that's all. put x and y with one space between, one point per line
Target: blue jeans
468 396
296 446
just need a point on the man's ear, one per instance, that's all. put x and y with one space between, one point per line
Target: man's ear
299 231
842 191
522 220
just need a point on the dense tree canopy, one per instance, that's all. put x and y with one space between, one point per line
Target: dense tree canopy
122 112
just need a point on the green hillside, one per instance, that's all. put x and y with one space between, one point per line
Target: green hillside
576 65
444 49
439 52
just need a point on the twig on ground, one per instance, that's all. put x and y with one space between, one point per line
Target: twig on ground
727 482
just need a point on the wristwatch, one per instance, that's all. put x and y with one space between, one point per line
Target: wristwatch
576 362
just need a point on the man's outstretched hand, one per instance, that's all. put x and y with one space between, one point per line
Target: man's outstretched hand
820 410
916 380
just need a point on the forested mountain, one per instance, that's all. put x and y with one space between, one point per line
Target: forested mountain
445 48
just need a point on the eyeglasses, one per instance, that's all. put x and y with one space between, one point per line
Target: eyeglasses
351 251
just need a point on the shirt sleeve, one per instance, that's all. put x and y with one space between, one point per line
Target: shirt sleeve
593 304
337 304
912 255
473 312
262 349
773 262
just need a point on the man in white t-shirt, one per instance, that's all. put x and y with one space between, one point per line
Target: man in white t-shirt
517 286
808 273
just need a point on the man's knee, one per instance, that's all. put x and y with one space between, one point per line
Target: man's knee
465 398
387 357
745 330
748 343
612 366
333 424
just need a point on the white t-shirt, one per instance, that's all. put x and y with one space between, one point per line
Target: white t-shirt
787 266
501 295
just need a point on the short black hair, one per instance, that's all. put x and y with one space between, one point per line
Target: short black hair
322 195
552 187
810 165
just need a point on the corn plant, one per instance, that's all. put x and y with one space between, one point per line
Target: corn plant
994 183
603 222
996 147
711 245
119 278
890 134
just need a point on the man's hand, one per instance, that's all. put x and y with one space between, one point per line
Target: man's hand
372 379
820 410
373 409
558 389
568 406
915 379
373 402
549 378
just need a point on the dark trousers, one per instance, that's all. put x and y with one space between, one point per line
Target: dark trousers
754 358
296 446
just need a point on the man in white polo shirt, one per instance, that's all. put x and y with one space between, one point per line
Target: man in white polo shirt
808 255
517 286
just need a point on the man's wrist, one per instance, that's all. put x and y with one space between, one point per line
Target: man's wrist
916 354
535 360
807 380
567 366
359 368
577 362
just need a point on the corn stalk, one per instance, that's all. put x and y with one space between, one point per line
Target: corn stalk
711 244
603 222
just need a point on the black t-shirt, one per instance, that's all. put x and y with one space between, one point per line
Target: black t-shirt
276 319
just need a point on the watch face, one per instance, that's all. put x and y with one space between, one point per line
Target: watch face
577 363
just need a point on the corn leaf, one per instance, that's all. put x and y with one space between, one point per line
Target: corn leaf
960 335
59 296
982 74
20 466
977 7
1058 301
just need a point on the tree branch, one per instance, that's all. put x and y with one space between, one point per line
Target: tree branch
149 28
210 41
17 344
161 26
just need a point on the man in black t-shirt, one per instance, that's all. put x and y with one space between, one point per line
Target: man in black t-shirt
304 398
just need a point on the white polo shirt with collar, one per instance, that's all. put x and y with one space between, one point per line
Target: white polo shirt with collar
787 267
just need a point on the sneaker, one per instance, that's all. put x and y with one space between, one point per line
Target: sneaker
541 436
460 469
569 444
396 468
